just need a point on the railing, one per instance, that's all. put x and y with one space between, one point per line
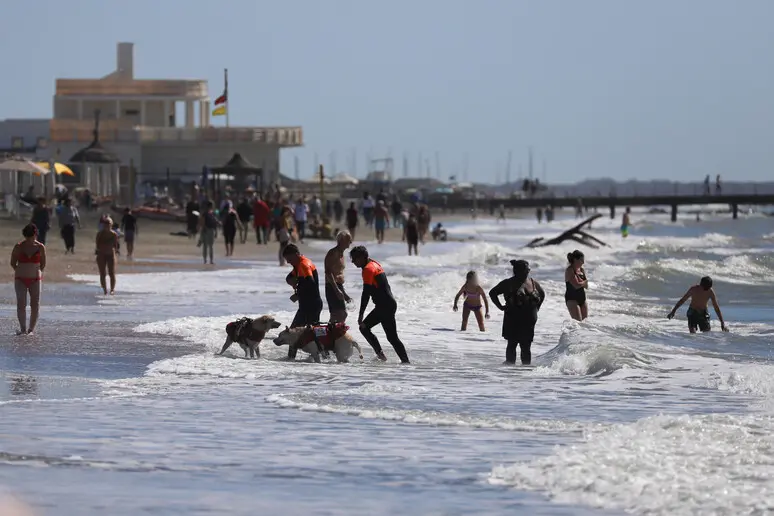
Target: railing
81 131
145 87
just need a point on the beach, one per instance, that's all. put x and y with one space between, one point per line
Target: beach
120 402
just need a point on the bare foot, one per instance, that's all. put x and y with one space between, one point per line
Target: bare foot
112 292
21 332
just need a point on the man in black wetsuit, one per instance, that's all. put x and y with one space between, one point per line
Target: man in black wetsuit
376 287
523 298
306 286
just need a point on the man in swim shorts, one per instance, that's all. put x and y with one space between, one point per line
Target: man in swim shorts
335 294
698 314
376 287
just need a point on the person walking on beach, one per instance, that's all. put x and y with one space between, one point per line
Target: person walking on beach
473 294
106 246
352 219
244 212
301 215
377 288
261 220
41 217
411 234
575 286
231 224
68 217
335 295
381 220
208 230
523 298
129 228
28 260
698 315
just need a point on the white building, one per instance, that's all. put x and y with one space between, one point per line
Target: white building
138 123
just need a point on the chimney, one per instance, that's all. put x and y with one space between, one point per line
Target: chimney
125 60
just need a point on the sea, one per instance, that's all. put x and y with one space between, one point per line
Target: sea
119 405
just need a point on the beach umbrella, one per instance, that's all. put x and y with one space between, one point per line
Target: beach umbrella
12 162
59 168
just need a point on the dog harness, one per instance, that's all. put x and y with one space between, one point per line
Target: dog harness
242 329
324 335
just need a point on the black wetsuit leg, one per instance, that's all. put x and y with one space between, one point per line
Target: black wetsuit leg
390 327
371 320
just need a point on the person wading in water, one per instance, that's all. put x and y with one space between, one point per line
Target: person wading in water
335 294
523 298
107 244
306 286
376 287
575 286
698 315
28 260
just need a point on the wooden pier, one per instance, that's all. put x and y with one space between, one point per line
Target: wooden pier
674 201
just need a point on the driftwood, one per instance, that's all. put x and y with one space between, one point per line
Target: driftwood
575 233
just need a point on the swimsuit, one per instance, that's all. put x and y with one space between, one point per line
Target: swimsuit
331 296
470 298
575 294
26 258
698 319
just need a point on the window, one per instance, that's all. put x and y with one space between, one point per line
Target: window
42 142
17 142
132 112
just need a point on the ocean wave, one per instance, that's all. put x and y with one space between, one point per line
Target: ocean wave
585 350
426 417
712 464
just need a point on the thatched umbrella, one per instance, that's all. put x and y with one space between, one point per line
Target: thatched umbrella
240 168
96 154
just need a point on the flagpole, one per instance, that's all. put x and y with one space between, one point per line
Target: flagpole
228 108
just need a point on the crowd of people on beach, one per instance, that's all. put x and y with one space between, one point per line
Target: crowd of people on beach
291 219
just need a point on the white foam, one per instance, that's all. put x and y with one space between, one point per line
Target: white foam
712 464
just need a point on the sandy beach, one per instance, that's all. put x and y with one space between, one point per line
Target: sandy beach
156 248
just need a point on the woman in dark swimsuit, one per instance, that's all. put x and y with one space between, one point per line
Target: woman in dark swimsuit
575 286
28 260
230 225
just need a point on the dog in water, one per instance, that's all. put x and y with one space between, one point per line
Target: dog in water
320 339
248 333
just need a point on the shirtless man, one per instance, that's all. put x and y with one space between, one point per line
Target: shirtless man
698 315
334 278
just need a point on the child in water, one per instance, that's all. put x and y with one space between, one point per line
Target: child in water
473 294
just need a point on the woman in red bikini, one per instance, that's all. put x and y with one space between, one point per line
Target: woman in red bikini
28 260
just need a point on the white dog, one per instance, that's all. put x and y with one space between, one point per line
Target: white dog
317 339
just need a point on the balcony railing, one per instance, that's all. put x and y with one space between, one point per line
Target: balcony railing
119 132
136 88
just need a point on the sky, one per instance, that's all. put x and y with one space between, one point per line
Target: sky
659 89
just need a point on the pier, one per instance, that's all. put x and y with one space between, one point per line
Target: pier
613 202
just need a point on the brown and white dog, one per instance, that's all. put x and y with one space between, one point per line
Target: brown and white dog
248 333
334 338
